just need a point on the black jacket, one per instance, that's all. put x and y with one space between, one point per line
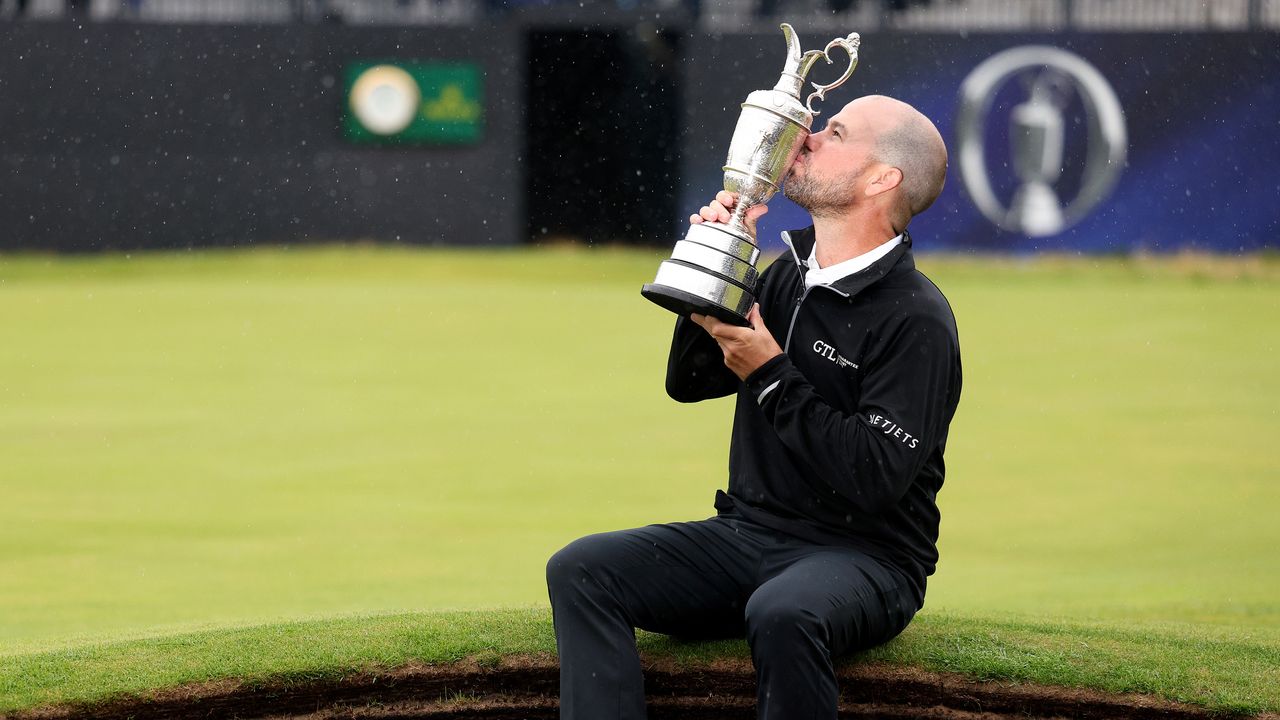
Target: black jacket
839 440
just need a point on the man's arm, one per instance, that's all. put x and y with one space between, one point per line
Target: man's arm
695 367
869 457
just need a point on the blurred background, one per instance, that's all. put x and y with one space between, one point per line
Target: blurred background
183 123
312 307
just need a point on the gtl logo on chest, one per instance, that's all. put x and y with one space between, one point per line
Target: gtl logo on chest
829 352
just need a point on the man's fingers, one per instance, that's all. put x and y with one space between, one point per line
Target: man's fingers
708 323
723 332
721 209
718 210
715 212
714 327
745 348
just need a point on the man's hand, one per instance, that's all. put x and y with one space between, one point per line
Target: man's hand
721 209
745 348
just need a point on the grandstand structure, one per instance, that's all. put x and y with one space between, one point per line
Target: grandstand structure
717 15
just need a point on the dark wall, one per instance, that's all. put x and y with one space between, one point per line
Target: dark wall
603 134
122 136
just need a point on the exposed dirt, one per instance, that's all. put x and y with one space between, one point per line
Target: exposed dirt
526 688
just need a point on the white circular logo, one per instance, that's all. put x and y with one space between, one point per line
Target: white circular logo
1051 77
385 99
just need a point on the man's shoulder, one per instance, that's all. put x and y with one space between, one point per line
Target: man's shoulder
909 301
913 284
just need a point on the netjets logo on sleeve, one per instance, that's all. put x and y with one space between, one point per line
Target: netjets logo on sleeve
829 352
893 430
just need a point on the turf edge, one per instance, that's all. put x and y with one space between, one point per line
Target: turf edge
1204 667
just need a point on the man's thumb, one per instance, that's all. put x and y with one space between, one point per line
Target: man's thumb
753 216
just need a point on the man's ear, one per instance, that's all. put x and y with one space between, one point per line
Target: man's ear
884 179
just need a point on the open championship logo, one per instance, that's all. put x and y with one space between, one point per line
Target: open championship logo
1038 136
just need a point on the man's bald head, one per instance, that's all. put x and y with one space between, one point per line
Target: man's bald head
876 152
909 141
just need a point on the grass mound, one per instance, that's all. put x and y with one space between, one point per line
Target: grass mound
1211 671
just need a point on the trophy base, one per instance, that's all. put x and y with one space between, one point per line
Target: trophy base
685 303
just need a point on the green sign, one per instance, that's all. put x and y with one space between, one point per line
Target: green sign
413 103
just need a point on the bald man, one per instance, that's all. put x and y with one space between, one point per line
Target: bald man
846 383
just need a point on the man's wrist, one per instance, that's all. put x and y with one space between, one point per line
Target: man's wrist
758 378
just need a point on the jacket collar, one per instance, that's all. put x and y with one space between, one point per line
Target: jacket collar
900 258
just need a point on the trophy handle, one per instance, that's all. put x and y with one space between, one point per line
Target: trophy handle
850 46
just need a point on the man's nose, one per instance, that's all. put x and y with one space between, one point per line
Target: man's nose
812 142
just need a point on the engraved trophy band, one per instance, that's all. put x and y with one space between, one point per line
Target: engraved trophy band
712 271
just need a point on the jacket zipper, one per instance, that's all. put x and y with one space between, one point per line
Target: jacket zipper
786 238
786 346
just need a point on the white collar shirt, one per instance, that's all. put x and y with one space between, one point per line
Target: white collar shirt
828 275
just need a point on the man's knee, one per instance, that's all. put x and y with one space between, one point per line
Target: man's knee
575 564
772 619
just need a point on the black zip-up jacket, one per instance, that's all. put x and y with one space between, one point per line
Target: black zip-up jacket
839 440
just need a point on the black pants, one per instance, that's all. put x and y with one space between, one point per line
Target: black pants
798 604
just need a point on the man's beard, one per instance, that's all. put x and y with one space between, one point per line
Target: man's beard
821 196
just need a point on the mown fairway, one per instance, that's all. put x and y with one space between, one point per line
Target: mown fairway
224 438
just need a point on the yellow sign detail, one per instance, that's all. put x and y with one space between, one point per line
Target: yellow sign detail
451 106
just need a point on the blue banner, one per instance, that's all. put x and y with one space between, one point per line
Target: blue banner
1094 143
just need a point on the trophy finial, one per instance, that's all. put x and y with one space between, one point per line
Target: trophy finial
797 64
793 47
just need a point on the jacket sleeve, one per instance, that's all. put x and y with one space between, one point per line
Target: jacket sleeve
909 393
695 368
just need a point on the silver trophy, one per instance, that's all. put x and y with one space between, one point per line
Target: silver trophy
713 270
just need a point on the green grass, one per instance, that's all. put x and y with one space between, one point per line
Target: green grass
1240 675
208 440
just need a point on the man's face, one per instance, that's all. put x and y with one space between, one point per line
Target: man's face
826 175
